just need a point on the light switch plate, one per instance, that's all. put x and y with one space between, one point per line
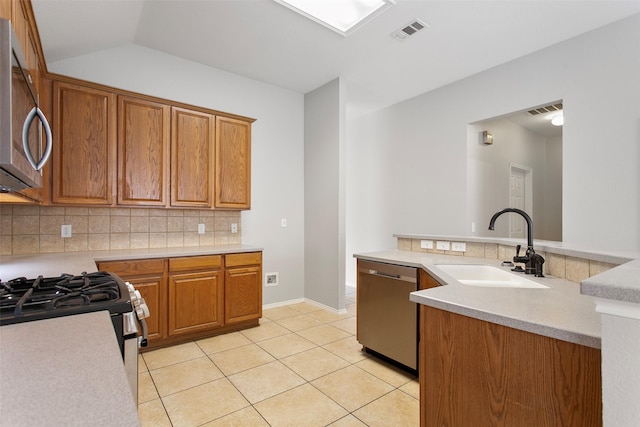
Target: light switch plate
234 227
443 246
426 244
200 228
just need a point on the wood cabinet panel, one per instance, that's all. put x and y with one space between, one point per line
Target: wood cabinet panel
243 294
154 291
19 22
83 145
143 151
479 373
196 302
134 267
426 281
233 163
147 276
247 258
192 151
195 263
5 9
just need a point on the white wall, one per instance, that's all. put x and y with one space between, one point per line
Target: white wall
277 169
553 189
597 75
324 190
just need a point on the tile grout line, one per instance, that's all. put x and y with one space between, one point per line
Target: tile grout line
349 363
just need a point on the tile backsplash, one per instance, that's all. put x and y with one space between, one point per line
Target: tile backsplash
36 229
561 266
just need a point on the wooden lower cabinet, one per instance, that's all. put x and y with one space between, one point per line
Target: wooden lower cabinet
477 373
197 296
243 287
150 278
196 299
426 281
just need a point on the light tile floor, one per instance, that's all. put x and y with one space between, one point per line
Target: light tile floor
301 367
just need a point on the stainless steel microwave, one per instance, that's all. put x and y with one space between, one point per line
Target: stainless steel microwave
22 154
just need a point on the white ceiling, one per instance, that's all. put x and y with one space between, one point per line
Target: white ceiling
265 41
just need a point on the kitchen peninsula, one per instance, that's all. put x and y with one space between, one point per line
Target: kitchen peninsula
520 356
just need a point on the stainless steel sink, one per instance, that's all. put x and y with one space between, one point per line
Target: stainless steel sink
487 276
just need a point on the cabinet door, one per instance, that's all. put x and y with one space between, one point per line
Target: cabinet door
195 302
243 294
154 291
192 145
233 163
83 145
149 277
143 147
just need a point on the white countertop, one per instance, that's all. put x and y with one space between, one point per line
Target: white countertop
51 265
65 371
560 311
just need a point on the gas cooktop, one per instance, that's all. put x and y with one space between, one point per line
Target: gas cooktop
23 299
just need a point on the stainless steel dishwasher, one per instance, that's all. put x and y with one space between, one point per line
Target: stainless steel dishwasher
387 322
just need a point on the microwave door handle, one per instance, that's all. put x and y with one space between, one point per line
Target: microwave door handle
35 111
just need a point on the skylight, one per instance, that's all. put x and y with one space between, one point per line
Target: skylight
341 16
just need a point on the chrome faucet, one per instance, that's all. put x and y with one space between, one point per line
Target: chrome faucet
533 262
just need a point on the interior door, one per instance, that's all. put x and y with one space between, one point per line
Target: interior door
519 197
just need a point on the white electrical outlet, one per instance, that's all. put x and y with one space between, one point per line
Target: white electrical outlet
426 244
458 246
270 279
234 228
65 231
443 246
283 223
200 228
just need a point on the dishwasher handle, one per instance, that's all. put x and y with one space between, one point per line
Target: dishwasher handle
380 273
411 278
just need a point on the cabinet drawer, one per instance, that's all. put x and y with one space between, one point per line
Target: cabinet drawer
195 263
250 258
134 267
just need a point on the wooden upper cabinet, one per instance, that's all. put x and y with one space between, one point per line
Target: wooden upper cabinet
5 9
143 152
84 132
192 150
19 23
233 163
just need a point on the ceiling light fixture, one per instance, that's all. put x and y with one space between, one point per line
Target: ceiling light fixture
342 16
557 119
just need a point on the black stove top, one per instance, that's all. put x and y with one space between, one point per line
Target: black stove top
23 300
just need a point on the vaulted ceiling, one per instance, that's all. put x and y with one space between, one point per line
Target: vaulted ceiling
263 40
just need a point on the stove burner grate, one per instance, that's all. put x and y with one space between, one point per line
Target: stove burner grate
21 295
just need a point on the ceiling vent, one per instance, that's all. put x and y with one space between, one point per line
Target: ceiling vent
546 109
408 30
